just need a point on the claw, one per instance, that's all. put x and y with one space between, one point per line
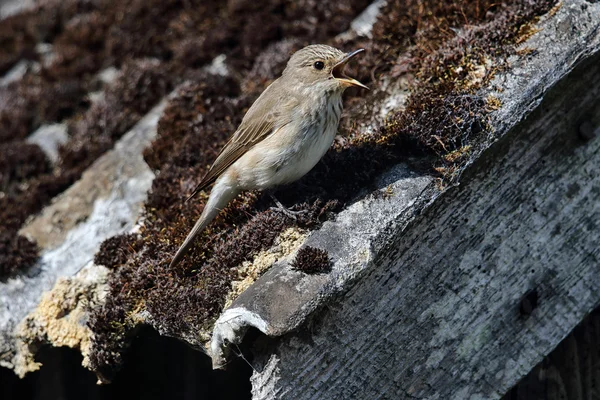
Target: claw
288 212
284 210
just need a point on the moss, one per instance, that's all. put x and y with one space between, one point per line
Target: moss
195 124
211 97
444 113
16 253
442 123
20 33
311 260
42 95
140 86
19 162
115 251
33 101
15 115
27 185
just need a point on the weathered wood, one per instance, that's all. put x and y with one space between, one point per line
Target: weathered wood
490 278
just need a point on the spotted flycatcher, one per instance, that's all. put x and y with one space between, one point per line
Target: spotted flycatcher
283 135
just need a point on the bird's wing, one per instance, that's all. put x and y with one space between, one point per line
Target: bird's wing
265 116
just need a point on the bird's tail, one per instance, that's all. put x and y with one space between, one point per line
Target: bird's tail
222 193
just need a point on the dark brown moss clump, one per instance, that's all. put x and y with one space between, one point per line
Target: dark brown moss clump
311 260
115 251
140 86
19 162
16 253
32 101
212 98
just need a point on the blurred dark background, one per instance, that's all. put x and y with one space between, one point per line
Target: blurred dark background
157 367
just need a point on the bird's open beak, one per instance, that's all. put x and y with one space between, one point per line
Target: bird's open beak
338 71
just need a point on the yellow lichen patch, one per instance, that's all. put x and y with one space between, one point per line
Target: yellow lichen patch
525 51
493 103
60 318
555 9
456 155
388 192
478 73
249 271
526 31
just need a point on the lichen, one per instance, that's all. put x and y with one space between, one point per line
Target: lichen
247 273
59 319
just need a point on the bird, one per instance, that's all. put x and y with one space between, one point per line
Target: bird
283 135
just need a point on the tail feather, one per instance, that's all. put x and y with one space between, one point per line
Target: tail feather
222 193
189 240
201 186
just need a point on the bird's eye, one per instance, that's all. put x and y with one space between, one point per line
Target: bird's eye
319 65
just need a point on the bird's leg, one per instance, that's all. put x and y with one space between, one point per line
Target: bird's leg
282 209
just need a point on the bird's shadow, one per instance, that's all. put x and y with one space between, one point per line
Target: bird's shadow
351 172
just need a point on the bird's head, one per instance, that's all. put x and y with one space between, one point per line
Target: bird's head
322 65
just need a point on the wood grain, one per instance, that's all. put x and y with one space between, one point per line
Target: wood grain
439 314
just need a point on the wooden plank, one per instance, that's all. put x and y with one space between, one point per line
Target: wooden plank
481 286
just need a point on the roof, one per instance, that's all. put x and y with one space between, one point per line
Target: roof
403 206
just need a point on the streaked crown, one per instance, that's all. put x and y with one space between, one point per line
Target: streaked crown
307 56
319 66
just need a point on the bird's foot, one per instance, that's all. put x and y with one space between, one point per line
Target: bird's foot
286 211
290 213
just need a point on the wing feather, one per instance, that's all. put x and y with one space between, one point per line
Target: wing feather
264 117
